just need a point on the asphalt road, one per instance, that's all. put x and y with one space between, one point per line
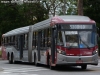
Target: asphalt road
30 69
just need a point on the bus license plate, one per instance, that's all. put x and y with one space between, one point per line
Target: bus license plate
79 61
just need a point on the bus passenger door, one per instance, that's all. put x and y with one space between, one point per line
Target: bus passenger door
53 44
21 41
41 50
38 45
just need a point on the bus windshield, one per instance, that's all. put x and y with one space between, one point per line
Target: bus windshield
78 37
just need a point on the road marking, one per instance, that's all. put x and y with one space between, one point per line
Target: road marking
9 73
5 72
26 69
22 70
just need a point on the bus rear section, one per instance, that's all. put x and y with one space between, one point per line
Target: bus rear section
77 45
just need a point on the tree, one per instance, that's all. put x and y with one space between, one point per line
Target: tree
60 7
14 15
92 9
80 7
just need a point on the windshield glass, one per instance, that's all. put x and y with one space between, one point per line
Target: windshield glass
87 39
80 39
78 35
71 38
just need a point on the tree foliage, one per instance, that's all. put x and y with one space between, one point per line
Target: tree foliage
92 9
60 7
13 15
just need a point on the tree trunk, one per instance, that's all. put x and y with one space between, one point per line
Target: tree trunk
80 7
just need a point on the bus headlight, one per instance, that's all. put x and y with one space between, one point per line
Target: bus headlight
95 52
61 52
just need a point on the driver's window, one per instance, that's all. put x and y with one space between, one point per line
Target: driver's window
59 38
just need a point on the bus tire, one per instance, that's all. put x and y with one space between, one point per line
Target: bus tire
84 67
12 59
9 59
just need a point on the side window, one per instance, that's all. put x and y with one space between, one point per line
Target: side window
14 40
59 38
36 38
43 39
17 42
25 41
3 41
8 40
48 37
33 42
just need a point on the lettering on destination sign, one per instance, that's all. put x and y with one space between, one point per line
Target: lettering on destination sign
80 26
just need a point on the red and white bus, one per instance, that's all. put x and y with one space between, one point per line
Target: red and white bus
67 39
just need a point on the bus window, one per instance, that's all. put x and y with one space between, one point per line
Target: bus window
33 42
46 35
71 38
49 38
36 38
87 39
17 42
25 41
59 38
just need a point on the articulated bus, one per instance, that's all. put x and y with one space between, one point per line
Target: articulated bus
60 40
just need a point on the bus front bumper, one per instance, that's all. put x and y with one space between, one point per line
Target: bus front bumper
77 60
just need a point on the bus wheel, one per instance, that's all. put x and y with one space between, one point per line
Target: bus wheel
84 67
12 58
9 59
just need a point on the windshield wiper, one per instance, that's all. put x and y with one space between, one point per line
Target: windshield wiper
84 42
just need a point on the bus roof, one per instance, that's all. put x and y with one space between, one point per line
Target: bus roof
50 22
61 19
17 31
71 18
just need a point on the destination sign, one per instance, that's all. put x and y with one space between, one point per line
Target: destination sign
76 26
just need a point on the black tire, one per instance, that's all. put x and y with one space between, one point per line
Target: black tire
84 67
9 59
12 59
